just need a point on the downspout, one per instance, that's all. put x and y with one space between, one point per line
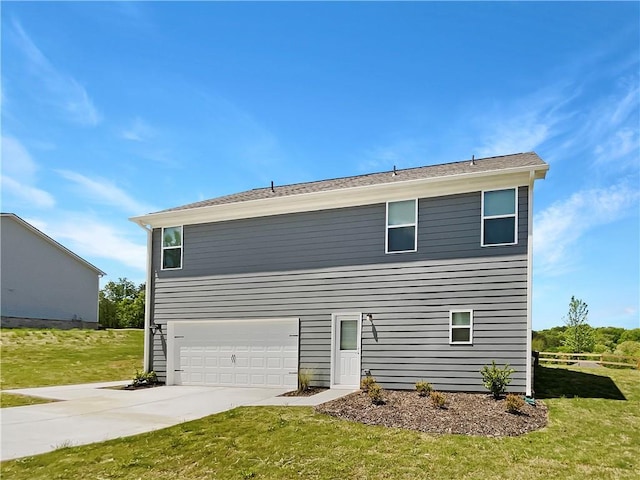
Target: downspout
100 275
529 372
147 300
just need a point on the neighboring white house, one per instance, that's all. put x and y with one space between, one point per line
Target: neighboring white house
42 282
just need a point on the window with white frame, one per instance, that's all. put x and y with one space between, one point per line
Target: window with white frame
171 248
461 326
402 226
499 217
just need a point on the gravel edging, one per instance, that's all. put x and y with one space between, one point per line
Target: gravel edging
464 413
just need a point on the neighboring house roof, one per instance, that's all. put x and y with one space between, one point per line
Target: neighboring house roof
341 192
50 240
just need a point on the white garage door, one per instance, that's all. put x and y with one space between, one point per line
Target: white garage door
251 353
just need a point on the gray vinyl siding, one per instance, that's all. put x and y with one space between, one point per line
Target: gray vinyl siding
41 281
310 265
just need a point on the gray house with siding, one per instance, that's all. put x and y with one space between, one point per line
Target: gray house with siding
44 284
421 273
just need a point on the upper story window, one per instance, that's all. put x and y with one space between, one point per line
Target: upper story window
461 326
402 226
171 248
499 217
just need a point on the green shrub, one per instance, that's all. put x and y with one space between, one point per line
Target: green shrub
629 348
423 388
304 379
375 394
366 383
496 379
514 403
538 345
143 379
438 399
630 362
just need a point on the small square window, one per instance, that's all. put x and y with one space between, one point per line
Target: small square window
348 335
402 226
461 326
171 248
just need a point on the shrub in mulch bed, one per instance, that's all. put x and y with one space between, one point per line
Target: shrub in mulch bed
466 413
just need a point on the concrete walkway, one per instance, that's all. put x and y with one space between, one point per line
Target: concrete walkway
92 413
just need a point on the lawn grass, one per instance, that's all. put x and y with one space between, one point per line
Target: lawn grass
17 400
41 357
586 438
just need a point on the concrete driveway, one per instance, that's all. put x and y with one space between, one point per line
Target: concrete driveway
91 413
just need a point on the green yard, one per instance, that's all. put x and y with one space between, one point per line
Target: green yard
40 357
594 433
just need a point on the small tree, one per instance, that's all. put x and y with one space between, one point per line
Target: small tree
496 379
579 336
121 304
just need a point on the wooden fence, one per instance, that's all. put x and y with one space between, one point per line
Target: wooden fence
600 358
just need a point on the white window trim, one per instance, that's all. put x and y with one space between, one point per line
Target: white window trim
415 224
163 248
489 217
470 326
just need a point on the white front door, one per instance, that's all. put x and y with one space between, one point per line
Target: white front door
346 340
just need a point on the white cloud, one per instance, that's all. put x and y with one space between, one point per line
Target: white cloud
619 145
138 131
556 120
523 135
612 132
30 195
526 124
16 160
89 237
625 106
19 175
559 227
63 90
104 192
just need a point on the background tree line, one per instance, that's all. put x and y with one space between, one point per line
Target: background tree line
577 336
121 304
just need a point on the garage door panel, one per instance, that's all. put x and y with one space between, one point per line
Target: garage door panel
241 361
291 363
235 353
211 362
242 379
257 362
274 362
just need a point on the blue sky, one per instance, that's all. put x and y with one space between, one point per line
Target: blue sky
111 110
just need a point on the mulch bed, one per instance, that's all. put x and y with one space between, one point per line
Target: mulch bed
464 413
134 387
307 393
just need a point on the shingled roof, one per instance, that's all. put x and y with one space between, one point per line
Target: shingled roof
480 165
